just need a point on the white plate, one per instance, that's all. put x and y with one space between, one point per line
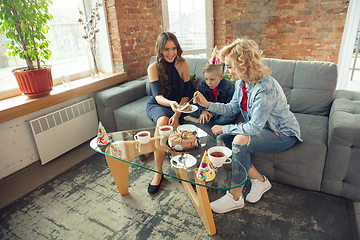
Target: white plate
188 127
190 161
193 109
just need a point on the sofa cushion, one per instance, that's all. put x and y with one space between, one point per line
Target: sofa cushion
283 72
110 99
301 165
133 115
314 87
308 85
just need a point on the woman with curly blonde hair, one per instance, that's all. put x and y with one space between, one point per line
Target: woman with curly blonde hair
269 124
170 87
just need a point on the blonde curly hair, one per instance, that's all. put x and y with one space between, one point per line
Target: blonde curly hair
247 60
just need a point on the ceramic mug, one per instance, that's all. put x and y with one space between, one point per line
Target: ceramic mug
218 157
166 130
142 137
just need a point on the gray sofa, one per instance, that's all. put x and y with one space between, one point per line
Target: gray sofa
328 160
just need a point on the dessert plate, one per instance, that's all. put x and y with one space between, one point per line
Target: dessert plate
190 161
178 148
193 109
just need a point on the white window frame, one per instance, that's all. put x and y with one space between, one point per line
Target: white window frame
347 47
209 15
103 40
105 63
104 52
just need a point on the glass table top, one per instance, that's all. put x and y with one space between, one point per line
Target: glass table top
124 147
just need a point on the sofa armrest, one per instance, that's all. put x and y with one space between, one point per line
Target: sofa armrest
110 99
342 165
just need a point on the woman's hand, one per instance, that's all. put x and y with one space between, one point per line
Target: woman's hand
217 129
174 106
174 120
200 99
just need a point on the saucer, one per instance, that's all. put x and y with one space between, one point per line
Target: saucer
190 161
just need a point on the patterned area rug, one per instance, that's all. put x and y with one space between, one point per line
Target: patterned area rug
84 203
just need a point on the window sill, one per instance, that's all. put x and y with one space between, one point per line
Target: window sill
18 106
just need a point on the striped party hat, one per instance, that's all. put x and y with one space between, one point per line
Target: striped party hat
206 171
214 59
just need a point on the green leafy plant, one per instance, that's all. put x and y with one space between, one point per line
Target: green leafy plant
24 22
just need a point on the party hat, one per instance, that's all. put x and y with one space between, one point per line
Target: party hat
102 136
206 171
214 59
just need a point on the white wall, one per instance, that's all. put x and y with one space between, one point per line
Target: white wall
17 145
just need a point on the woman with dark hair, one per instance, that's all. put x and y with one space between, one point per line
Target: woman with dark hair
170 87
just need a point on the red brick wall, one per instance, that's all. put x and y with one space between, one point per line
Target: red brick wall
133 28
285 29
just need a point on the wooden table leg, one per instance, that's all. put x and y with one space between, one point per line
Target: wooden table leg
200 201
120 172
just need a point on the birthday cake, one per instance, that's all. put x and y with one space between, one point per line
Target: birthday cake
182 140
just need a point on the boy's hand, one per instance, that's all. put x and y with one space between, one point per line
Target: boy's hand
217 129
200 99
205 116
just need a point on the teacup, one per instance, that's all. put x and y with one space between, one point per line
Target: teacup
166 130
218 156
142 137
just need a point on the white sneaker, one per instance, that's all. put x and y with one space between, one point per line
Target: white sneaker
258 189
227 203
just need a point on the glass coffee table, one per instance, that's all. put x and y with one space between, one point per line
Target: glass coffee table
124 150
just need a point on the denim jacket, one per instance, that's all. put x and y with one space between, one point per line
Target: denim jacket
267 107
225 92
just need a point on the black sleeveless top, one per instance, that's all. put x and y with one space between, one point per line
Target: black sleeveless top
179 89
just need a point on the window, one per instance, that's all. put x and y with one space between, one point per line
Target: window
192 23
347 53
70 53
355 63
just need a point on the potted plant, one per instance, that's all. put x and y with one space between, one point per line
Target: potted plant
24 23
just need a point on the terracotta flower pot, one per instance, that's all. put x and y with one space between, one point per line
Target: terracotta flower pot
35 83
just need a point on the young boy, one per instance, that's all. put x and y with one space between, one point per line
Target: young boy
215 88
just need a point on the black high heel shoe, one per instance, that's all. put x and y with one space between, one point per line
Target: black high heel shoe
155 188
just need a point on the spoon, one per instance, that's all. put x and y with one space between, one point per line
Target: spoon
176 163
182 160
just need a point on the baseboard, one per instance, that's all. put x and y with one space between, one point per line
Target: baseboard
22 172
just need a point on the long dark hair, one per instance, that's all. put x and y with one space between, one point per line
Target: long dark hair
162 39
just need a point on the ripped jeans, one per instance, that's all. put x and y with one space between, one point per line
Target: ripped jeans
266 142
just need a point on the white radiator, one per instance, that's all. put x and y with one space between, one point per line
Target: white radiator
62 130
